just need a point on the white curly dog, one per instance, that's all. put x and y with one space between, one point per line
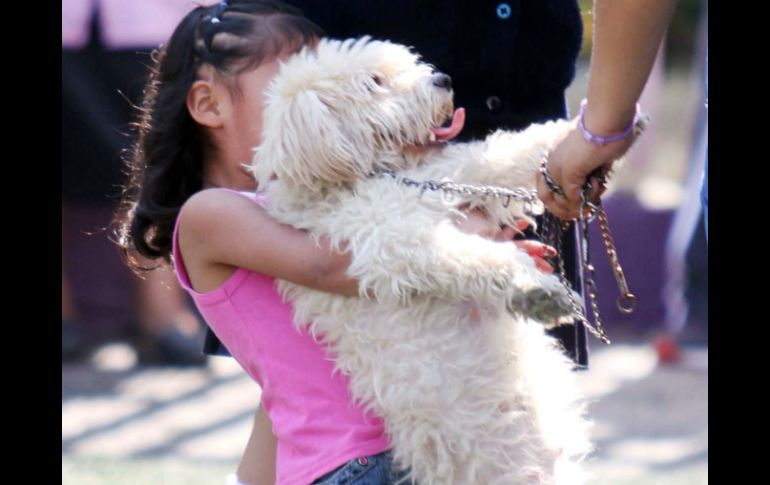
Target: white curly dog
446 341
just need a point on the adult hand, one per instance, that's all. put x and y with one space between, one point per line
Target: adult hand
571 161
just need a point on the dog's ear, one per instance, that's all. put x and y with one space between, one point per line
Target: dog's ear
307 141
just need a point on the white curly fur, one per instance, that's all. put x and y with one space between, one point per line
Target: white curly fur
467 397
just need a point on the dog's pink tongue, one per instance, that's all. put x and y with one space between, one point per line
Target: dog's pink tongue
458 121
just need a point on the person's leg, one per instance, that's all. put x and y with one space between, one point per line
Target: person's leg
573 337
162 303
73 341
704 194
171 331
705 187
68 309
72 334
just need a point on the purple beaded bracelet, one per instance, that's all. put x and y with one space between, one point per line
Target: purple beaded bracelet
601 140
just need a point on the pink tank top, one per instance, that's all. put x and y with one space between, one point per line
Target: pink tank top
316 425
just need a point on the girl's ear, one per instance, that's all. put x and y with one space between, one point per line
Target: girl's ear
203 103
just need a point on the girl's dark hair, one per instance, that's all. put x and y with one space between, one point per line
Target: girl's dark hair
165 165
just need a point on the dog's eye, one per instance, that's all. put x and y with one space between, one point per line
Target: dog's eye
377 79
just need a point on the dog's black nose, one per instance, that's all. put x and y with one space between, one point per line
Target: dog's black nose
441 80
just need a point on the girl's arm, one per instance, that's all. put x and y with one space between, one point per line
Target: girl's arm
257 466
221 227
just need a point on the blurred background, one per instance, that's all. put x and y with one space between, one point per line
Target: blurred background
142 405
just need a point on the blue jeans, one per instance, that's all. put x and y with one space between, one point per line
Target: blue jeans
366 470
704 190
704 195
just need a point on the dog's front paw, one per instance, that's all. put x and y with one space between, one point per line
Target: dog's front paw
549 303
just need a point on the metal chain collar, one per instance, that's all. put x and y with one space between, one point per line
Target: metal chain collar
528 197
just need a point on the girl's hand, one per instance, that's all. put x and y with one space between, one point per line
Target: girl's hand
538 251
478 223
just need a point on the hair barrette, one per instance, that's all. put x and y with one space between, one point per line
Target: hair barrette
221 6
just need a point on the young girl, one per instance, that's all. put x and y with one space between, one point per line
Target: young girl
191 203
